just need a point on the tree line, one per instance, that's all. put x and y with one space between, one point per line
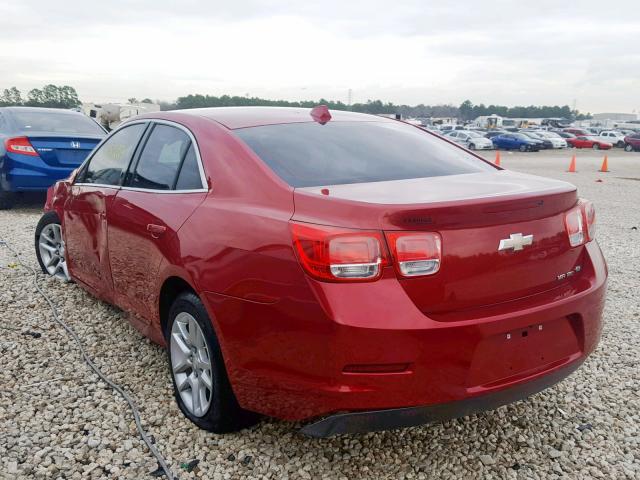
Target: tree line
465 111
66 97
52 96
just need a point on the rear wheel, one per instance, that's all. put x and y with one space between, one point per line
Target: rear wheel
620 144
6 199
596 146
523 148
201 385
50 248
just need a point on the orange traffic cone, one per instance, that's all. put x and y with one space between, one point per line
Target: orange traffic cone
605 165
572 165
497 160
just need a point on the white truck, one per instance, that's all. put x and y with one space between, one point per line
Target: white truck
614 137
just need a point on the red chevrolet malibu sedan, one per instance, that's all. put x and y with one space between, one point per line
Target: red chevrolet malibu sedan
343 268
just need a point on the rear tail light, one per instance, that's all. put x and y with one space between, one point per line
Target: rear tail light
415 253
590 218
338 254
580 223
574 222
20 145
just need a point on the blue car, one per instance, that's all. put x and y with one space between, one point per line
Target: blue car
516 141
39 146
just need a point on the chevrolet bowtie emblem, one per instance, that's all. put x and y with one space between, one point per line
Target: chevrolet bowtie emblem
516 241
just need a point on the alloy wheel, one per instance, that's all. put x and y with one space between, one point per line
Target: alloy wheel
191 364
52 251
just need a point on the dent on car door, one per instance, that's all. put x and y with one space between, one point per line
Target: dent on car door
85 212
161 189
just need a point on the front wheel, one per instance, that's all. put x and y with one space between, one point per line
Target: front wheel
201 385
628 148
472 146
596 146
50 249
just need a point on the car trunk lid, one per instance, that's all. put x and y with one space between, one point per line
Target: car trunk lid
63 151
472 213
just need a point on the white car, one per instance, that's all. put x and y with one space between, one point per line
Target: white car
556 140
613 137
471 140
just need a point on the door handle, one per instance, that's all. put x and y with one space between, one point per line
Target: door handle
156 230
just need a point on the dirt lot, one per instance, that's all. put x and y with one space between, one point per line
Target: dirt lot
57 421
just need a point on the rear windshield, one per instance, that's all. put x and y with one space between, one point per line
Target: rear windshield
311 154
52 122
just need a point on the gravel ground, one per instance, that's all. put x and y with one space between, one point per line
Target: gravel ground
58 421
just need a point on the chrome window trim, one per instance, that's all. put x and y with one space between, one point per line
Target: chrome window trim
203 180
135 189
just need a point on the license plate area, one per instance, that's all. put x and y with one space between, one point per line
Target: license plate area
522 351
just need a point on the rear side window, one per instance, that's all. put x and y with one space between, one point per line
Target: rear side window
54 122
311 154
189 178
111 160
160 160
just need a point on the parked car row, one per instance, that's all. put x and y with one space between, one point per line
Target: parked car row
39 146
531 139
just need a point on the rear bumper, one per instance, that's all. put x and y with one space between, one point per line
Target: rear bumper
22 173
293 357
377 420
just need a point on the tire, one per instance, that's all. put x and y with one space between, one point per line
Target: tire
596 146
523 148
620 144
50 250
6 199
628 148
472 146
216 409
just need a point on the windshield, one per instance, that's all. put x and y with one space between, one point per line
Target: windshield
53 122
474 134
310 154
521 136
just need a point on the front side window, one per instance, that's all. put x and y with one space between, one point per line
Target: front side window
110 161
311 154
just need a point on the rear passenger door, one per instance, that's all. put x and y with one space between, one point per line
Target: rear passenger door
165 183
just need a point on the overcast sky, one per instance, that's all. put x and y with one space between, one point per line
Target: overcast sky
422 51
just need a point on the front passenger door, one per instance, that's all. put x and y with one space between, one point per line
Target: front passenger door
85 211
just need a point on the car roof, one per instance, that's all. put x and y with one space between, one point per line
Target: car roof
243 117
39 110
